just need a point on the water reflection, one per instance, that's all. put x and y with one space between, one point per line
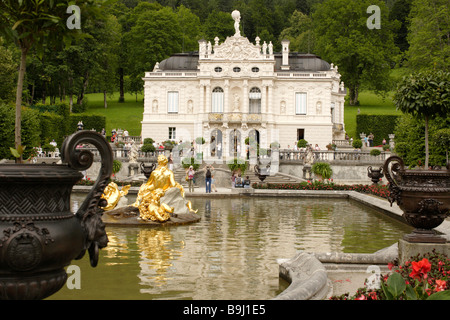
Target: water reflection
231 253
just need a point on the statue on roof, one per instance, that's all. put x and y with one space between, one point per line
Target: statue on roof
236 15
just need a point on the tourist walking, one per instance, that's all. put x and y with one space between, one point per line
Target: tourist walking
190 178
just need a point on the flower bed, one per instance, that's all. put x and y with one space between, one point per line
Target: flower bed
424 277
378 190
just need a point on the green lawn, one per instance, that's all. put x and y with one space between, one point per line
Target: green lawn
127 115
370 103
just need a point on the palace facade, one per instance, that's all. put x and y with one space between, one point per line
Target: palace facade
229 91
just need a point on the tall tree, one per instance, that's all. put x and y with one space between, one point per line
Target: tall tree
28 24
429 35
155 36
8 67
190 28
363 55
35 24
299 32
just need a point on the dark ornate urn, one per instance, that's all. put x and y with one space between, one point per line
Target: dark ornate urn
39 235
262 173
423 196
375 174
147 168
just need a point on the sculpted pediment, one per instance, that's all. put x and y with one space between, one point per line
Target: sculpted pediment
237 48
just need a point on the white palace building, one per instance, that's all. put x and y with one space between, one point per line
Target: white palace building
229 91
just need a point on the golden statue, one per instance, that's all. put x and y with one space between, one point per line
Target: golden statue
150 193
112 194
151 209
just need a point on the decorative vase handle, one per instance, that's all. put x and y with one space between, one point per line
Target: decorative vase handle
90 212
392 174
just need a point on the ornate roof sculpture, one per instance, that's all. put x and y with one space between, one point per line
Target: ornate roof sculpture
239 48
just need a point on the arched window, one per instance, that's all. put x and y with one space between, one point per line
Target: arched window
255 100
217 100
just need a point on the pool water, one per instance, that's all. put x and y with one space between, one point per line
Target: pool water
231 253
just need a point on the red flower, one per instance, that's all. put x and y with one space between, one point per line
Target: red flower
441 285
361 297
420 269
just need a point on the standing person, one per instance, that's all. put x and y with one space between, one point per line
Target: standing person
213 184
170 162
190 178
371 139
208 177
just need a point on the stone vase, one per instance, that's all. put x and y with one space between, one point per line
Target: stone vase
39 235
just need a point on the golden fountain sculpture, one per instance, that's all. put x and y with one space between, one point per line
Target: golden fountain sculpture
112 195
150 193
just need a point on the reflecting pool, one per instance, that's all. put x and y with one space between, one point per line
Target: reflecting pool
231 253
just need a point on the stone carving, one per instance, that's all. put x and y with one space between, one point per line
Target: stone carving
236 15
155 106
236 103
236 48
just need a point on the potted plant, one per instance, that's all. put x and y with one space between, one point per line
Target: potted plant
322 170
423 195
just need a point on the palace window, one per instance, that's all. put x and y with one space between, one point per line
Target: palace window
172 133
172 102
255 69
217 100
300 103
237 69
254 100
218 69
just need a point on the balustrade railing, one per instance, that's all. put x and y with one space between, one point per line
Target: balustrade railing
333 156
235 116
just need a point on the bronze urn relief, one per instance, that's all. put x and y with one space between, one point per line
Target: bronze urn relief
39 235
422 195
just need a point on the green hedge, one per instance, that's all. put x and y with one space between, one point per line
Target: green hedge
380 125
30 132
41 124
90 121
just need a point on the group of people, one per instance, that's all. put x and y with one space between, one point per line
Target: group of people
238 182
368 140
296 154
209 178
115 133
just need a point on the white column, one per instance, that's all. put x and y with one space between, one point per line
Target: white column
208 99
245 105
226 98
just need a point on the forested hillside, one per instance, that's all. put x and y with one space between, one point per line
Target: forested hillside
125 38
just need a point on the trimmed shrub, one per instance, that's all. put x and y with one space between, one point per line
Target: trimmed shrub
90 121
380 125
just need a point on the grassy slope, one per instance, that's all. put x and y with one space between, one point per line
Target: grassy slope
127 115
